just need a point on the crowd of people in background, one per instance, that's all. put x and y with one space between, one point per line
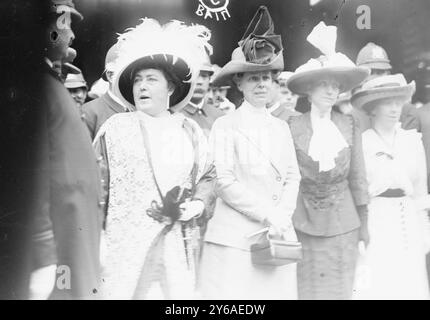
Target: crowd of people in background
157 186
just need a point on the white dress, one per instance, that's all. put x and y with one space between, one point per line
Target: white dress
129 230
393 266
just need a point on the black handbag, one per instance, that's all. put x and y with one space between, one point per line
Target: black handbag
275 251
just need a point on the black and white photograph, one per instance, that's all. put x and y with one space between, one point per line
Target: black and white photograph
215 150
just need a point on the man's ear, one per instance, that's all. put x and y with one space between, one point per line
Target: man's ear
109 76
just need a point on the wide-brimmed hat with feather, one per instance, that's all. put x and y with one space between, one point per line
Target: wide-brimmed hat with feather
175 48
331 64
260 49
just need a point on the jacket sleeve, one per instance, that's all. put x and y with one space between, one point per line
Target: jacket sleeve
102 160
89 119
292 181
357 174
421 190
205 191
232 191
44 249
205 186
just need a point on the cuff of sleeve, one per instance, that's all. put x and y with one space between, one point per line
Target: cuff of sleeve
44 250
362 212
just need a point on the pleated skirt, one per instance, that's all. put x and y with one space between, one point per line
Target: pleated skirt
328 266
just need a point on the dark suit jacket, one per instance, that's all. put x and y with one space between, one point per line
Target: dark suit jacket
66 210
96 112
326 204
204 118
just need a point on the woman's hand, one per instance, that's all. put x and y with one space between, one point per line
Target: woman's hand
42 282
364 235
363 231
281 224
191 209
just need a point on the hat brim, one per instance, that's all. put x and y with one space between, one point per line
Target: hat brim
363 98
77 14
380 65
237 66
343 100
70 68
207 69
76 85
348 78
66 8
179 70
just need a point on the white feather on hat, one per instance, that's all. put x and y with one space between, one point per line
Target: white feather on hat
331 63
178 43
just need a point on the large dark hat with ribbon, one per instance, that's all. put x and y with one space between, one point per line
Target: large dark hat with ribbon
260 49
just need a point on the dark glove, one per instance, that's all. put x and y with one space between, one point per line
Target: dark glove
169 212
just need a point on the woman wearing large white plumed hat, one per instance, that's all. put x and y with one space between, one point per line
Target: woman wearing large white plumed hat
257 177
152 162
394 265
330 217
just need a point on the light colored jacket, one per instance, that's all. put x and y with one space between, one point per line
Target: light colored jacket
257 175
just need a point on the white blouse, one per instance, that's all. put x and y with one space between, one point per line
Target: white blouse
402 165
326 141
171 147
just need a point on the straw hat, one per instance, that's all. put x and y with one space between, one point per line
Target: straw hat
175 48
387 86
74 81
259 50
331 64
285 75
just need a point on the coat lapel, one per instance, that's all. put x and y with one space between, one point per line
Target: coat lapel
303 132
343 126
115 106
277 112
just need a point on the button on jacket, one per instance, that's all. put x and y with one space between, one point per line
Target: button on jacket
251 152
326 205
